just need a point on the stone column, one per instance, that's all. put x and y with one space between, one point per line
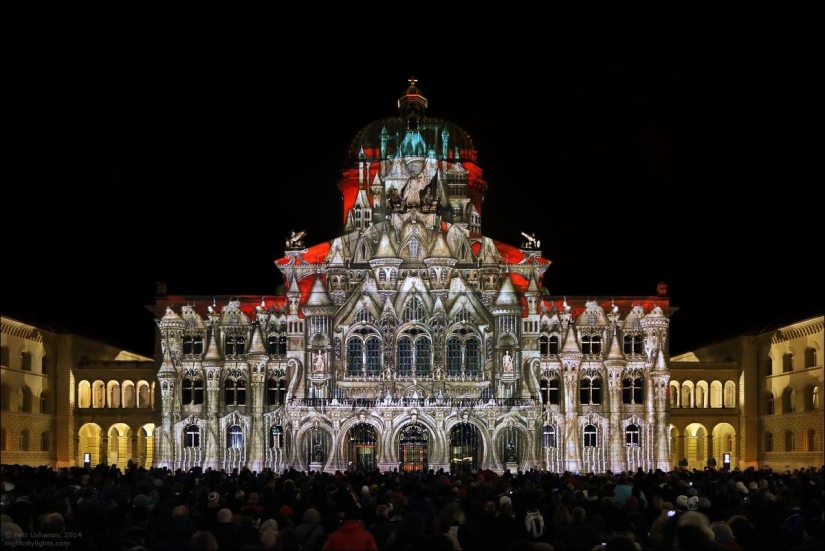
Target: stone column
255 446
572 437
659 386
104 449
211 457
709 450
616 457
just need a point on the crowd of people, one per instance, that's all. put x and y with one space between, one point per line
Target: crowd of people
157 509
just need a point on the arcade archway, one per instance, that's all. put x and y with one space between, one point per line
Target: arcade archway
362 447
465 455
413 447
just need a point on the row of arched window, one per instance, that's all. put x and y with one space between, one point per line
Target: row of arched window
687 394
413 350
788 362
22 441
234 436
234 391
590 436
550 345
234 345
25 361
789 443
26 401
590 390
789 401
115 394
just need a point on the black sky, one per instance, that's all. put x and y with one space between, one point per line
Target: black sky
636 158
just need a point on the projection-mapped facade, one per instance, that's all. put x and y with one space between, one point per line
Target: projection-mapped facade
413 341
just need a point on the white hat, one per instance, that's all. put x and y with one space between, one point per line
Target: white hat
693 503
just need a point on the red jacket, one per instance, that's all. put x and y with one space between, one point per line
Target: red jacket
351 536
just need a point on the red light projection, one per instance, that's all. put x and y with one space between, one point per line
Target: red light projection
313 255
625 305
350 184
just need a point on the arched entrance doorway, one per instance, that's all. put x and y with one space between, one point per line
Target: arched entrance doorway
119 446
316 446
464 448
413 447
89 439
145 453
511 446
362 449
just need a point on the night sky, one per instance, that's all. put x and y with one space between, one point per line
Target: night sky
637 158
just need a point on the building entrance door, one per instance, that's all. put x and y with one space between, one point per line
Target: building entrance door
464 449
363 447
413 448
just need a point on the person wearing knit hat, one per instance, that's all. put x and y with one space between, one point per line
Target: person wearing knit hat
141 501
682 501
367 498
252 509
692 503
724 535
225 531
213 500
268 524
310 532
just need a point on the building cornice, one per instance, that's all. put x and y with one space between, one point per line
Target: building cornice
798 330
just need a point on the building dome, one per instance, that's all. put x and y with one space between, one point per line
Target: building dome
392 137
412 134
412 161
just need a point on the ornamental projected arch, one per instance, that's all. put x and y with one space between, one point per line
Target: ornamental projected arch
465 453
511 443
362 447
413 447
315 445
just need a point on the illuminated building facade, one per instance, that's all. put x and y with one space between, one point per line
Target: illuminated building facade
757 398
413 341
63 396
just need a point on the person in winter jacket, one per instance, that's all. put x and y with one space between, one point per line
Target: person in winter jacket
351 535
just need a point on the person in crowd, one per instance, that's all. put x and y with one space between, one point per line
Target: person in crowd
411 534
579 534
383 525
203 540
310 532
351 535
158 508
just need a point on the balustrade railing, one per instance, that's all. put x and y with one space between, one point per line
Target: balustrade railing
448 403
